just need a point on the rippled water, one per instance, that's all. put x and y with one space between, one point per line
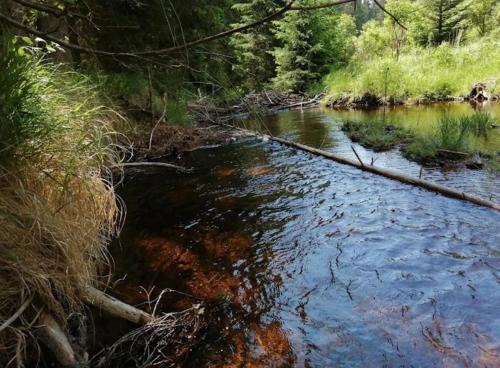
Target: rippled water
321 128
309 263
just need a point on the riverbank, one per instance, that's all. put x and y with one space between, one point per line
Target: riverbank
420 75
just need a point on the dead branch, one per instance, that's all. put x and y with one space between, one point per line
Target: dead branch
322 6
389 14
115 307
434 187
16 315
49 10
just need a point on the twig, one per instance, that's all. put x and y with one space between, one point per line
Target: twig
359 159
162 117
16 315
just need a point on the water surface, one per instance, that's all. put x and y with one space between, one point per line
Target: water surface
309 263
321 128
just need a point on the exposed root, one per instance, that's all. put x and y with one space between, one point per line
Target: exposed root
53 336
159 343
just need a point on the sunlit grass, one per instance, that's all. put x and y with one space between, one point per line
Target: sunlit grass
420 73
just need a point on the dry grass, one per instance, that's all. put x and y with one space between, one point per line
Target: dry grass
57 213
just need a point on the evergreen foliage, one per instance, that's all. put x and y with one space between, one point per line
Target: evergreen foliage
254 64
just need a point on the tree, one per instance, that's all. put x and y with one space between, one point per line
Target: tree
446 19
481 15
254 64
309 44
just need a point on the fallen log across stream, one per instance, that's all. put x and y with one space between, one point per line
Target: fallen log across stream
391 174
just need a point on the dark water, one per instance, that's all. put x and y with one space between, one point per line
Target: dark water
321 128
309 263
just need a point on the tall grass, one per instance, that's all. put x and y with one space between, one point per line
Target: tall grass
57 204
451 134
420 73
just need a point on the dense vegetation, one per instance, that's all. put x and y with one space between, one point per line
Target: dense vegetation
447 47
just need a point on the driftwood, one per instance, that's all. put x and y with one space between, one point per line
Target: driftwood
393 175
115 307
434 187
267 101
53 336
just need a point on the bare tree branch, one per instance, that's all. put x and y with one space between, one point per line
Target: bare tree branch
49 9
8 20
389 14
322 6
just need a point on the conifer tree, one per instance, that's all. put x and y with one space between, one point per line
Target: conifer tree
254 63
446 19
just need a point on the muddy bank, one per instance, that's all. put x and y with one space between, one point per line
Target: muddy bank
477 96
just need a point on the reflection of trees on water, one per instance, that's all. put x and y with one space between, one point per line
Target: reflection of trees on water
184 233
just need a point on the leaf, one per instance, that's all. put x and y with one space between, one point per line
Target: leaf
27 40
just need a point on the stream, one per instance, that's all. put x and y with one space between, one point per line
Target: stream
305 262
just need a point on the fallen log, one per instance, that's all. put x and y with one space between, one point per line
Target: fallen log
438 188
434 187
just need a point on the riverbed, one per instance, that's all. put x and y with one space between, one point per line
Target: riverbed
304 262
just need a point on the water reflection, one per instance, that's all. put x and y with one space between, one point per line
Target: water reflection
309 263
322 129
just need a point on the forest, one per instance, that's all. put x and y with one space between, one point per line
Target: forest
249 183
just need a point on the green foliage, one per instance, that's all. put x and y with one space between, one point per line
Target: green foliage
254 65
444 20
25 109
451 134
419 74
308 43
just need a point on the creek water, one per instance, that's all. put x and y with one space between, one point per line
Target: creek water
308 263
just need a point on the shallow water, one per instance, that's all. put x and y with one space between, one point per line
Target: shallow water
309 263
321 128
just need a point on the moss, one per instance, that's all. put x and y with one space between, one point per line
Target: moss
377 134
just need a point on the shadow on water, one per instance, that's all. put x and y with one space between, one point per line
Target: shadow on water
308 263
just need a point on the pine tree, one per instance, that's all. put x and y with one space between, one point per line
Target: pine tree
310 43
446 17
254 63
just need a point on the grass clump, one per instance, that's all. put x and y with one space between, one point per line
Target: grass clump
377 134
57 213
451 139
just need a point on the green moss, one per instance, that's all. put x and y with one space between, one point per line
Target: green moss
377 134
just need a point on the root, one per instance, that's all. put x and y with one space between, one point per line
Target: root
159 343
52 335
